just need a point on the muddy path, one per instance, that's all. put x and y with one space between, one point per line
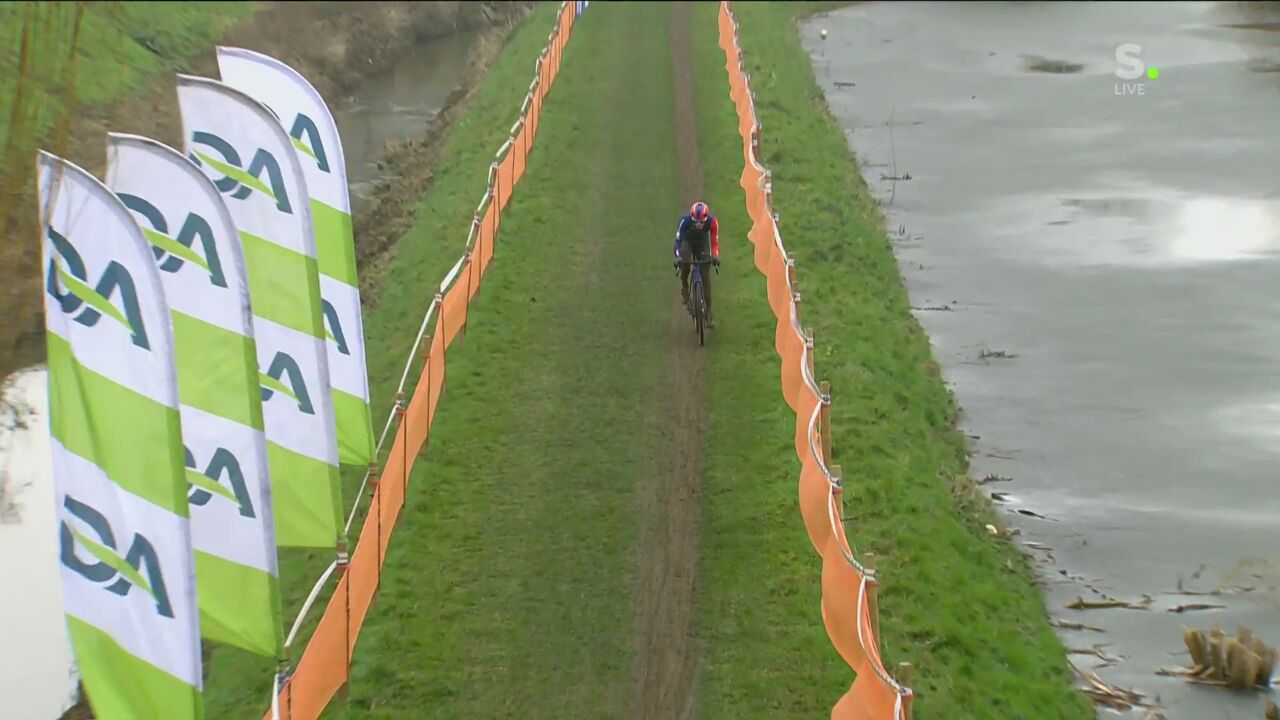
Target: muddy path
669 560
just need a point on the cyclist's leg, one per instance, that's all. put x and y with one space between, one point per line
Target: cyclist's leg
704 253
686 254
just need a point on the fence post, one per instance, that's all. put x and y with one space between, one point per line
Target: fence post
466 299
791 273
404 484
795 288
809 345
825 419
524 137
903 676
344 564
873 594
475 233
495 188
837 489
431 368
511 173
373 493
403 410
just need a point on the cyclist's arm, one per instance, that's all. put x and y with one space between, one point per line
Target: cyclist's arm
715 237
680 228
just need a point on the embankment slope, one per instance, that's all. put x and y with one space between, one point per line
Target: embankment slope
959 604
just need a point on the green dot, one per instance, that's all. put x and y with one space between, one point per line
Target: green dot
1153 73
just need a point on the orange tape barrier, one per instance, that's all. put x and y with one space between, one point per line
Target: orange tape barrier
324 667
847 586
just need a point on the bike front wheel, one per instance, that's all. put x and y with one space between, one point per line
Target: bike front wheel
699 313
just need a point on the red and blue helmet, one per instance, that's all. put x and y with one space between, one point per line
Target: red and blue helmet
699 213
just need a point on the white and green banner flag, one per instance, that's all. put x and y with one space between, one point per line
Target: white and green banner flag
314 135
239 144
125 537
194 244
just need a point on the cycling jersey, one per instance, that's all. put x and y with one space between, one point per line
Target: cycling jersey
698 238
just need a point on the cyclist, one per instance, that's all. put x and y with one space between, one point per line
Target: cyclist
697 235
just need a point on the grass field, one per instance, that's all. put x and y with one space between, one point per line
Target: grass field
515 582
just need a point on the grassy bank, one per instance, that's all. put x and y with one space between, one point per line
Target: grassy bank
119 48
55 71
957 603
509 590
121 80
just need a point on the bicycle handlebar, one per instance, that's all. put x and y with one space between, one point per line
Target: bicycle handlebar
677 264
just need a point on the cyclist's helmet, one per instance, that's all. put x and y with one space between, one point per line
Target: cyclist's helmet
699 213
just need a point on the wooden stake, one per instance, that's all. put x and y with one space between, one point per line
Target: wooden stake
904 679
873 596
808 334
837 474
824 420
795 287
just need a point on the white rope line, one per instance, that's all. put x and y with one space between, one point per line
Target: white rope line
391 415
877 666
471 233
837 530
809 380
364 481
484 201
502 151
386 429
306 606
813 449
417 342
275 697
453 273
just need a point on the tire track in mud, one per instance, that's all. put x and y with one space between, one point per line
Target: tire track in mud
669 554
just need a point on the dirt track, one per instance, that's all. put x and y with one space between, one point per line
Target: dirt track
669 555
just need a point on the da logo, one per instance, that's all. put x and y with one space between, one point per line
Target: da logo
87 304
205 485
172 252
237 181
140 567
334 327
306 138
285 377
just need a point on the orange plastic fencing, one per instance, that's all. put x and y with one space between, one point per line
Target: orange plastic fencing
324 667
874 694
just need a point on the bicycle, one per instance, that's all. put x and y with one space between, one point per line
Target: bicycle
697 305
